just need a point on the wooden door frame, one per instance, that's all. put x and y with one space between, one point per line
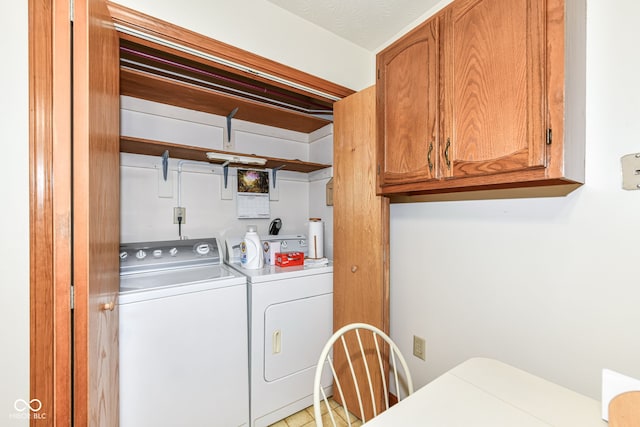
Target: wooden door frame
50 209
50 186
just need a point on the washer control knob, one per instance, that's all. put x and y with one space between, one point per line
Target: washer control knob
123 255
173 251
141 254
157 253
202 249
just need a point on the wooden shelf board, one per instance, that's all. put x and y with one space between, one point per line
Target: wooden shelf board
186 152
163 30
159 89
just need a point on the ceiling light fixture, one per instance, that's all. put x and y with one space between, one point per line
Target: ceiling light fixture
235 159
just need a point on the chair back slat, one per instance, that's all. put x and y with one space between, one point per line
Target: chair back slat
354 378
369 381
385 390
362 353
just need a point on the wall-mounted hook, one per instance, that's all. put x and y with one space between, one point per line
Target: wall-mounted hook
225 170
165 164
273 174
229 117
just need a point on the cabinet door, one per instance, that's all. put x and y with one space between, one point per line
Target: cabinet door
494 91
361 224
407 102
96 213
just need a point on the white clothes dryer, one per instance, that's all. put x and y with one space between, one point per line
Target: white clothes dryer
290 319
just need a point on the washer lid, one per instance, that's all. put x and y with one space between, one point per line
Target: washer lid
165 283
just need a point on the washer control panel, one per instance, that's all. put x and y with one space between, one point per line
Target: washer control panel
149 256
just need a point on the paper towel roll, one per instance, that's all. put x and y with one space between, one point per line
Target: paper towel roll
316 238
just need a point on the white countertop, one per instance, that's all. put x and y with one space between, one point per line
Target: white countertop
484 392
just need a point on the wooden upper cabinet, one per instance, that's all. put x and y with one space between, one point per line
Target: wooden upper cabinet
407 106
493 70
476 99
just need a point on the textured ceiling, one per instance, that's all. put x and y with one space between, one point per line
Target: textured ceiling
367 23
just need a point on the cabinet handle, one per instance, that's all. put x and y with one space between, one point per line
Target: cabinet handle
354 268
108 306
429 156
446 153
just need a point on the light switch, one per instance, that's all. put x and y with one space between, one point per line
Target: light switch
631 171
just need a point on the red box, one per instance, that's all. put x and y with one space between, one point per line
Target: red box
289 259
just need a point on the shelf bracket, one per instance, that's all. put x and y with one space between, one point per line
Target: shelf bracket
165 164
225 171
229 117
274 171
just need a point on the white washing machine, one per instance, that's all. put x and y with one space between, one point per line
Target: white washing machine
183 336
291 319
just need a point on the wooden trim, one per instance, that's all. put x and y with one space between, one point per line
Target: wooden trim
50 209
149 25
81 340
555 96
556 190
386 264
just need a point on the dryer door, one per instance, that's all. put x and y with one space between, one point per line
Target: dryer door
295 333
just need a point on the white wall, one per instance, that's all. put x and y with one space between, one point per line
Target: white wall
321 151
147 208
548 285
14 250
263 28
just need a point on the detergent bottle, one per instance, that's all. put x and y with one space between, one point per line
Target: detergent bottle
251 249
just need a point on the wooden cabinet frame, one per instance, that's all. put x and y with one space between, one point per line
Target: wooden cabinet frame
554 165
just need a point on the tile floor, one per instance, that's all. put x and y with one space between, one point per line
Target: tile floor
305 418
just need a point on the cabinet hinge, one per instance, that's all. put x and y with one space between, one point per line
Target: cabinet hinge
378 169
72 295
549 136
378 73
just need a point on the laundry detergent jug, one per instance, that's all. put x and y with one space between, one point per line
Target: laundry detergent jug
251 249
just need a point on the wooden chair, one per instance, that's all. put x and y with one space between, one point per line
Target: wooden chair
361 385
624 410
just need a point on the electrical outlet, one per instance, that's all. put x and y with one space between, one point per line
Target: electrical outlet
419 347
179 212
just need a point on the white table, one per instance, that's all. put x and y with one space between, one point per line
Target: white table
485 392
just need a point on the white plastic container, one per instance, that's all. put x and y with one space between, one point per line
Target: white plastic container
251 249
